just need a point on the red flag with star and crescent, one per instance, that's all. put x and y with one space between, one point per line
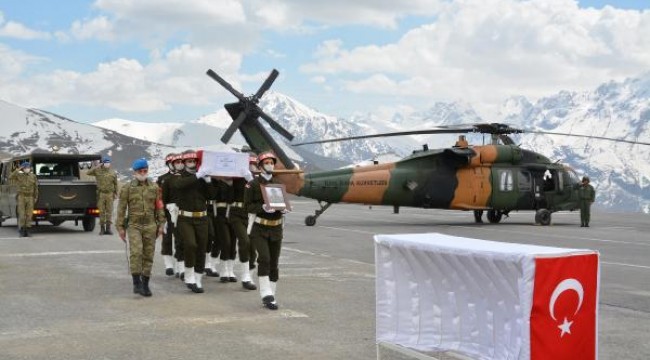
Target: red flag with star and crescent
563 320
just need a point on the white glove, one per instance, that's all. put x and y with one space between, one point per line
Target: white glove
268 209
207 179
286 211
246 174
201 172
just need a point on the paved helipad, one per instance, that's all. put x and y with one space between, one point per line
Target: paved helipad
66 294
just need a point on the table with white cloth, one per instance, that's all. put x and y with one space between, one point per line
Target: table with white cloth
486 299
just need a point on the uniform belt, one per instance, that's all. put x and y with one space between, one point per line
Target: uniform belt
193 214
218 204
268 222
237 204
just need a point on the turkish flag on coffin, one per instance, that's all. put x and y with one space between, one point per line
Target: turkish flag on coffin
564 317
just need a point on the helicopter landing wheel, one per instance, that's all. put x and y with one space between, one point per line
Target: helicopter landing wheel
494 216
543 217
310 220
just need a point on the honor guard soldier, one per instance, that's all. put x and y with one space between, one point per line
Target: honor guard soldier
224 196
193 219
586 197
168 235
140 215
27 193
170 198
238 218
106 193
214 248
266 233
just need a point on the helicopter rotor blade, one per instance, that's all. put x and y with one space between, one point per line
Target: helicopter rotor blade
225 84
586 136
266 85
275 126
233 127
400 133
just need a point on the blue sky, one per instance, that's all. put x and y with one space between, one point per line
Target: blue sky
145 60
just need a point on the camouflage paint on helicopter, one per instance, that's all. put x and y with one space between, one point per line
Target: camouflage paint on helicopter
498 178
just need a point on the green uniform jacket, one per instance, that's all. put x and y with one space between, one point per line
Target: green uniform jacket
26 183
144 205
193 192
239 195
106 179
587 194
161 181
254 200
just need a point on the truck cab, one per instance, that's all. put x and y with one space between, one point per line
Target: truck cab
64 192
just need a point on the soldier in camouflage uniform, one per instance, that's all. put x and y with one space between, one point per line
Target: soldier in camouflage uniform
193 219
27 195
140 214
586 197
106 193
266 233
239 224
168 235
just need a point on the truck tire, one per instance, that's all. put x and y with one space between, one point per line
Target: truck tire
88 223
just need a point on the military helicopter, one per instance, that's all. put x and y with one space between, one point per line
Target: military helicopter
498 178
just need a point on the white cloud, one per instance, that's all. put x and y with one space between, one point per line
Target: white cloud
100 28
318 79
294 13
12 29
486 50
176 77
13 63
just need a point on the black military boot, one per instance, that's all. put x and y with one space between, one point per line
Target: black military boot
25 232
102 231
145 291
107 230
269 302
137 284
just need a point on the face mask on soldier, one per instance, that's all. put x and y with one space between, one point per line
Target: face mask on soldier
27 170
179 166
268 168
140 177
190 166
252 168
107 165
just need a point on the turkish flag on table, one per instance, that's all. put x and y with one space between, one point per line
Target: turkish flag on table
563 320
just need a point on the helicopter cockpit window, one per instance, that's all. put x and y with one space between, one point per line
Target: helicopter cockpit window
505 180
525 182
549 181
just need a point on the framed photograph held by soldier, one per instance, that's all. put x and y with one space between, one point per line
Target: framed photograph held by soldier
275 196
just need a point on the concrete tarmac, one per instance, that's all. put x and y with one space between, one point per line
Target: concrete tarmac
67 294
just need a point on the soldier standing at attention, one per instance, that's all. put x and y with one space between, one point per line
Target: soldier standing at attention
168 235
239 223
27 194
586 197
141 203
266 233
193 219
106 193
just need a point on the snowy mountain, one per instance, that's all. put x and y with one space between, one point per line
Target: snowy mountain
620 172
26 130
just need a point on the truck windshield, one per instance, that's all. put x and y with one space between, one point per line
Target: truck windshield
57 170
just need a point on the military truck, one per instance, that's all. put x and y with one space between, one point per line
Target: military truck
64 192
